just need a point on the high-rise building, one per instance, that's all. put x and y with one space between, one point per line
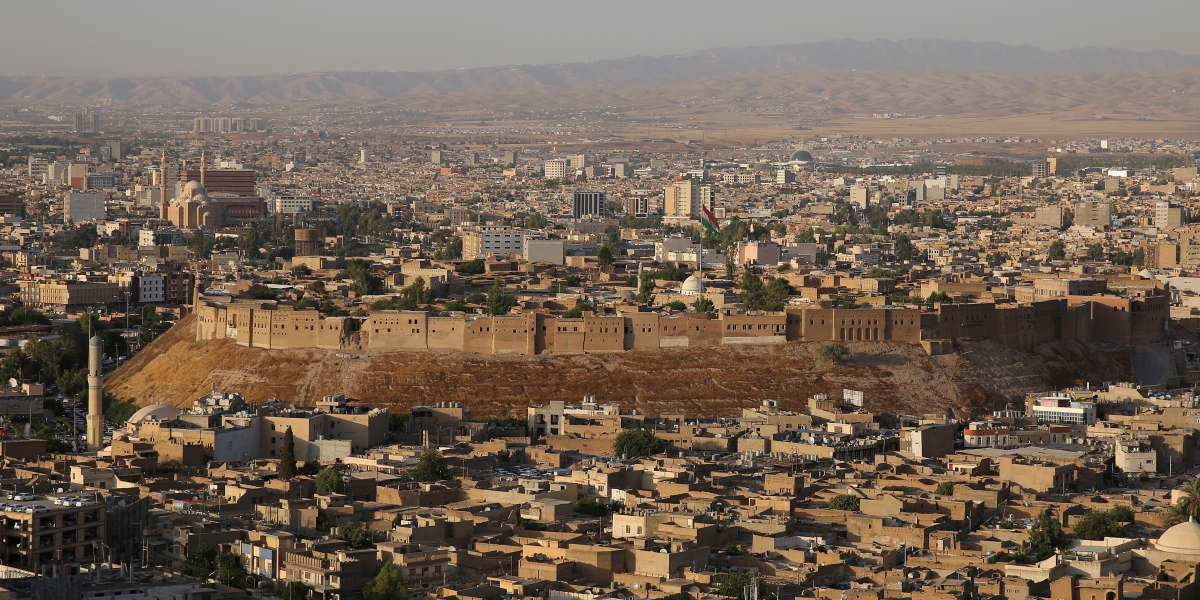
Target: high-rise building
1041 168
638 204
226 124
80 207
1052 166
435 157
1093 213
587 203
940 170
1167 216
685 198
509 158
471 158
232 181
364 156
577 161
555 168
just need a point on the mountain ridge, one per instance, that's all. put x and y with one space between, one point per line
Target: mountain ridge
847 58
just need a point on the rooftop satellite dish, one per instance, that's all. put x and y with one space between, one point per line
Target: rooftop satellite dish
12 382
60 490
121 503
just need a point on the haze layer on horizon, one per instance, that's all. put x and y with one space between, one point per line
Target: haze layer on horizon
141 38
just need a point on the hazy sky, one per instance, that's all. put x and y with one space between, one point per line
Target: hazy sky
253 37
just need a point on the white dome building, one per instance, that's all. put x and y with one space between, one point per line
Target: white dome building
154 412
692 286
1183 538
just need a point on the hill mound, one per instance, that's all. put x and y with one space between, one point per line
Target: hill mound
176 369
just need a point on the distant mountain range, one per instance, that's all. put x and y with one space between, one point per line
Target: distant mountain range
830 58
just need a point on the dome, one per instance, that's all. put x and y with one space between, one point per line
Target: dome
692 286
1183 538
154 412
802 155
192 188
1146 274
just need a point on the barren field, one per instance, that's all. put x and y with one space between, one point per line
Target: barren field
705 381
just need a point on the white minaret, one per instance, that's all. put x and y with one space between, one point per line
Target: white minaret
95 418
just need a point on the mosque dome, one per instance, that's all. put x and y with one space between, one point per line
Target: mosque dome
1146 274
692 286
1183 538
803 155
193 188
154 412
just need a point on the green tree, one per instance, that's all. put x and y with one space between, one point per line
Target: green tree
832 353
388 584
588 505
945 488
415 294
430 467
200 563
119 412
295 590
499 303
329 481
736 585
1121 514
357 537
1096 251
384 304
677 305
471 267
904 248
1097 525
576 312
535 221
287 456
703 305
1188 505
636 443
846 502
231 572
605 255
645 287
1056 251
1046 536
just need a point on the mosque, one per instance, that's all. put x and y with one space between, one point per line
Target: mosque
193 209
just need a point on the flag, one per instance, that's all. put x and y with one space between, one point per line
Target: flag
709 220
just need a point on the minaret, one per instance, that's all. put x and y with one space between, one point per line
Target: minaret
95 417
202 162
162 181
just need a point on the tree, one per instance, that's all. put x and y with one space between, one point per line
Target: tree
1121 514
846 502
832 353
605 255
535 221
1097 525
1056 251
231 572
703 305
329 481
295 590
1046 536
471 267
415 294
200 563
645 287
636 443
587 505
576 312
357 537
904 248
499 303
677 305
945 488
388 584
430 467
1096 251
384 304
737 584
287 456
1188 505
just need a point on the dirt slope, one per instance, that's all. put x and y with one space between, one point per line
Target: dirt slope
708 381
